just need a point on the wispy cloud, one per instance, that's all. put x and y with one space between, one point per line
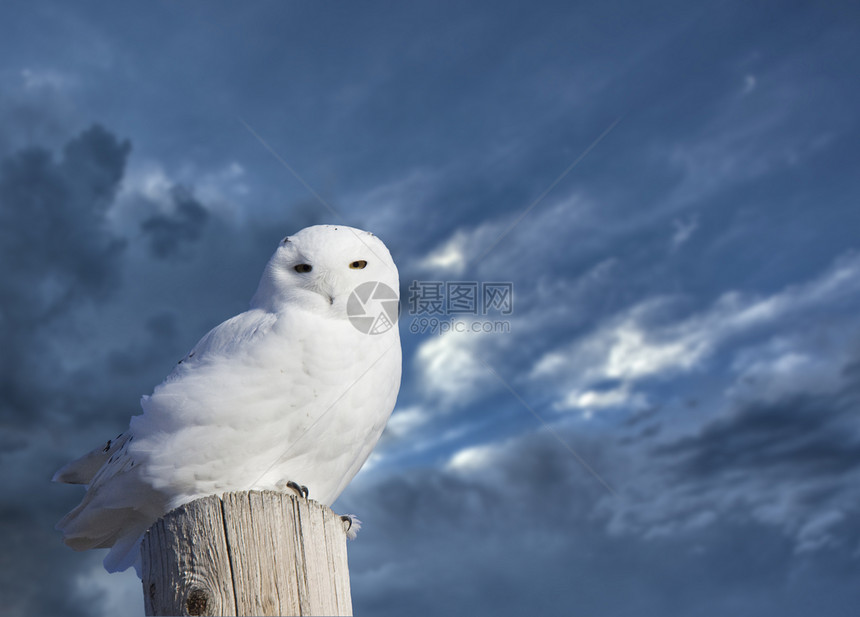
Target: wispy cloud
405 421
684 230
149 189
52 79
643 343
448 371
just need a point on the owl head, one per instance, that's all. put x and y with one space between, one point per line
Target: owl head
321 266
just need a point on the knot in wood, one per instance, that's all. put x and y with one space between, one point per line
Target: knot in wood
197 602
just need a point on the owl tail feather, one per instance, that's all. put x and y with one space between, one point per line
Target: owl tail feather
117 508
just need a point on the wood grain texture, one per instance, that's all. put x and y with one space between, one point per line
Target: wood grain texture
250 553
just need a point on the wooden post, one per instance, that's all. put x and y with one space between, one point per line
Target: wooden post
247 553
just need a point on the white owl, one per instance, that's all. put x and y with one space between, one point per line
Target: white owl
295 390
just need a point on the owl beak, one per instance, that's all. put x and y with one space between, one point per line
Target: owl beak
324 288
325 294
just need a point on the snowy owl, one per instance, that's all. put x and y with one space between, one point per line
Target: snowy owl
294 392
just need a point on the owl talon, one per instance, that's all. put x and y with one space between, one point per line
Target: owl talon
353 525
301 489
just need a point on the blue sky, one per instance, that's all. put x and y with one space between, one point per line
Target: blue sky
670 424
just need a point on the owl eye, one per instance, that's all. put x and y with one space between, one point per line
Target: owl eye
358 265
303 268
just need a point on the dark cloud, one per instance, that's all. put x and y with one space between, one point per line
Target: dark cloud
804 435
523 532
40 112
24 534
52 225
790 463
801 436
161 330
169 232
57 251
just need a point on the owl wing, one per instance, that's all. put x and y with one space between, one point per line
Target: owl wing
118 506
228 337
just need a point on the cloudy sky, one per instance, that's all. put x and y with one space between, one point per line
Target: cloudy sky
666 421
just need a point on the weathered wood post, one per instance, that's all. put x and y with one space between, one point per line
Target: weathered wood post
247 553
